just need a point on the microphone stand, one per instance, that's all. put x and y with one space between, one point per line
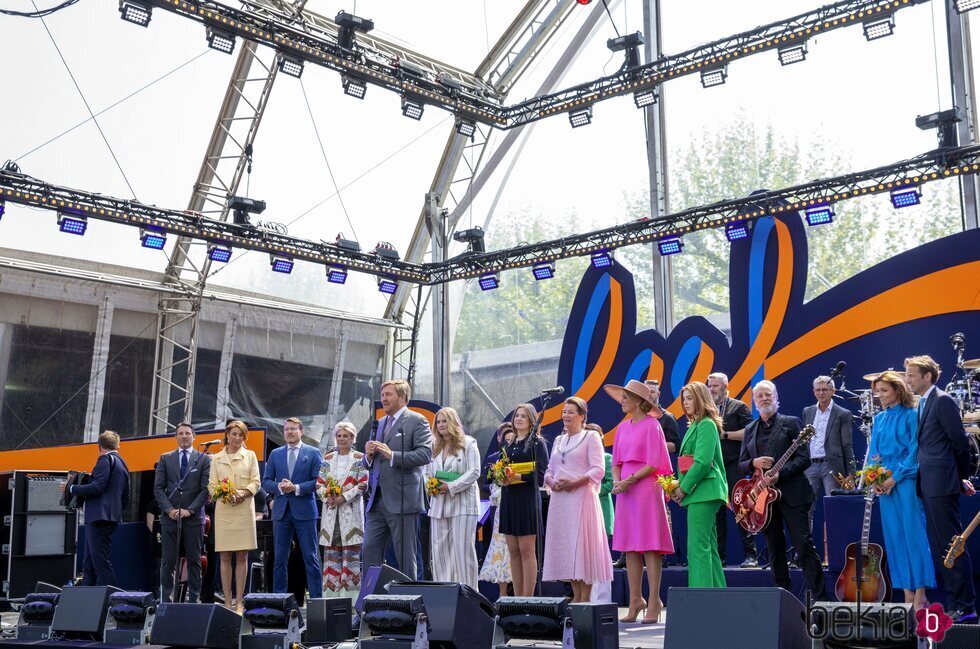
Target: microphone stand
179 491
538 523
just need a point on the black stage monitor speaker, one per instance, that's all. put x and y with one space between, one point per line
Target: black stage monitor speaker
374 581
961 636
328 620
460 617
81 612
210 626
595 625
735 618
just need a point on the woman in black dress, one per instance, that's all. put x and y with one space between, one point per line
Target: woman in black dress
520 502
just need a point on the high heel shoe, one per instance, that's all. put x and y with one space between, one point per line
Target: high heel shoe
653 613
633 613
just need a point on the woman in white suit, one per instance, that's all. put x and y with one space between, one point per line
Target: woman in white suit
342 522
455 509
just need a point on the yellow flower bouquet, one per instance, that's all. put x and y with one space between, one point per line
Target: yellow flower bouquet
875 473
223 491
331 487
668 483
432 486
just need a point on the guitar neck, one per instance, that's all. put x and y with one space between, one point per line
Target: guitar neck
866 528
972 526
785 458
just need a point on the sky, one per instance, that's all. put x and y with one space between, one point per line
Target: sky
161 88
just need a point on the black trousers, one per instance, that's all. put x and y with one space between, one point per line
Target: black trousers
942 524
191 538
721 519
795 518
97 567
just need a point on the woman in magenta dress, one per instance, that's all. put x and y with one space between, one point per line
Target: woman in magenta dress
576 548
640 529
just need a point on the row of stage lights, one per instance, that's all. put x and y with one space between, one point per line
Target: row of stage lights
139 13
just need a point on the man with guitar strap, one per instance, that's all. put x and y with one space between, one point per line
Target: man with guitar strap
768 437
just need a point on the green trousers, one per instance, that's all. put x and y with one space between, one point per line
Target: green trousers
703 563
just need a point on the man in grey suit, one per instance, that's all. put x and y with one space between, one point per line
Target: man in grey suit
181 490
395 455
832 447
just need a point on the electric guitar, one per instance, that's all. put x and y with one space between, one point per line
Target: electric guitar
958 543
875 586
752 498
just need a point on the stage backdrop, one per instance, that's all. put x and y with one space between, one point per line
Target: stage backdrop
908 305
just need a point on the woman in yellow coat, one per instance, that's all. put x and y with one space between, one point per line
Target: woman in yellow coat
703 487
233 483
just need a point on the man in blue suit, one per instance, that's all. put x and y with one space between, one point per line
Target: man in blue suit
290 476
105 495
944 465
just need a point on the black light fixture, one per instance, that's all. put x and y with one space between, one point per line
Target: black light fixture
879 27
242 206
963 6
489 281
714 76
543 270
412 107
395 617
350 245
944 122
580 117
465 127
533 618
790 54
353 87
138 13
348 25
629 43
221 41
646 98
385 251
291 65
474 237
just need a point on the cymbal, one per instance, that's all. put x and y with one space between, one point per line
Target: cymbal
972 364
973 429
971 417
872 376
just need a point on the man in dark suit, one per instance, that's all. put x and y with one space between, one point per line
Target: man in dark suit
181 490
767 439
944 465
735 416
668 423
395 457
290 475
105 495
832 446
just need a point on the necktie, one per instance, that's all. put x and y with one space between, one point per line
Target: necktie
183 463
384 428
922 406
291 461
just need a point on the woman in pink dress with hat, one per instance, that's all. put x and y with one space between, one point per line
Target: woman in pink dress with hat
576 548
640 529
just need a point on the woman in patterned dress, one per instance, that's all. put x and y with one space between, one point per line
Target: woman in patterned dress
342 522
496 565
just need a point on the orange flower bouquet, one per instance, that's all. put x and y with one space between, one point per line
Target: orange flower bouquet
223 491
668 483
331 487
875 473
500 472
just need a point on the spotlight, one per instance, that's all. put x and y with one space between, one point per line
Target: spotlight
242 206
737 231
282 265
353 87
580 117
963 6
602 259
629 43
544 270
819 215
3 208
348 25
670 246
72 223
412 108
792 53
336 274
153 240
138 13
473 237
879 27
387 285
465 128
945 124
905 197
219 253
386 251
714 76
645 98
489 281
291 65
221 41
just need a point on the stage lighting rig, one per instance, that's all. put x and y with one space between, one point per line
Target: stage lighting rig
242 206
3 208
879 27
138 13
412 107
349 245
545 270
819 215
474 237
336 274
646 98
945 124
385 251
602 259
737 231
489 281
291 65
152 239
281 264
221 41
905 197
629 43
353 87
221 254
348 25
670 246
387 285
790 54
963 6
465 127
714 76
70 223
580 117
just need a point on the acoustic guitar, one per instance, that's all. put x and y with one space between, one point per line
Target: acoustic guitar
875 585
752 498
958 543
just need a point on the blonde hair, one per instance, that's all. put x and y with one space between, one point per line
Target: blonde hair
580 404
454 427
402 388
239 426
895 380
704 405
109 440
345 426
532 415
926 365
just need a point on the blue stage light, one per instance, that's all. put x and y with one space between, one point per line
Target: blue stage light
544 270
281 265
819 215
387 285
603 259
670 246
737 231
219 253
336 274
905 197
153 240
489 281
72 223
3 208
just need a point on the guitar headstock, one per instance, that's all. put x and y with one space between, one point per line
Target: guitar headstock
955 550
806 434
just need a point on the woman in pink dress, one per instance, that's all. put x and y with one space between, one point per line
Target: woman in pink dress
640 529
576 548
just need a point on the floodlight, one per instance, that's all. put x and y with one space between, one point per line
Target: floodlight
387 285
819 215
879 27
291 65
580 117
645 98
737 231
3 208
473 237
219 253
336 274
544 270
280 264
138 13
155 240
353 87
489 281
602 259
714 76
221 41
412 108
464 127
792 53
905 197
72 223
963 6
670 246
242 206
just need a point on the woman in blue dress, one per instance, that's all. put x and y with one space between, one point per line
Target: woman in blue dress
895 440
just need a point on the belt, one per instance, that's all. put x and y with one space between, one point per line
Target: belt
818 459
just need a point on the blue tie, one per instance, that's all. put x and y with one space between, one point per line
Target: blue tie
922 406
291 461
183 463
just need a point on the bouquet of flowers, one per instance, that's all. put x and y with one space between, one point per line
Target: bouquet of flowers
500 471
874 473
668 483
331 487
223 491
432 486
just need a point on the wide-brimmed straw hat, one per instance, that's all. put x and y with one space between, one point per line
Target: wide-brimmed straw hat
638 390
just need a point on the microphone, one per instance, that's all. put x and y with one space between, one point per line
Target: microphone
374 429
555 390
211 443
836 371
957 340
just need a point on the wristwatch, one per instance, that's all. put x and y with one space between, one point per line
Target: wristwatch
724 435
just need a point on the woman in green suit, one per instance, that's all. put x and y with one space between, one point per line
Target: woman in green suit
703 488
